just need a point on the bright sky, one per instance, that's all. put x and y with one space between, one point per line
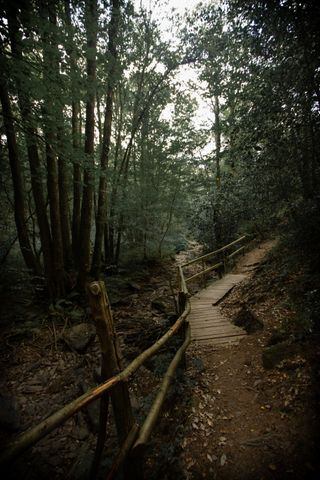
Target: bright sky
179 5
162 10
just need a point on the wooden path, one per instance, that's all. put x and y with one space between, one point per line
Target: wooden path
207 323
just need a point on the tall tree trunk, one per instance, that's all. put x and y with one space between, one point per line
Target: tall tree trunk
88 188
32 150
52 117
63 179
18 182
217 138
77 179
102 200
76 133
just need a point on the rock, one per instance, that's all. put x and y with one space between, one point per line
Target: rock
180 247
248 320
277 336
134 286
114 298
78 337
163 305
274 354
9 415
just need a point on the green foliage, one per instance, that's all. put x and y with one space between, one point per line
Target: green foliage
261 62
259 68
304 224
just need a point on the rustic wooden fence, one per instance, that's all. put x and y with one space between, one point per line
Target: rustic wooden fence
132 438
223 256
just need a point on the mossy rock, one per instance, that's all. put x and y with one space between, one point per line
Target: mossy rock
163 305
248 320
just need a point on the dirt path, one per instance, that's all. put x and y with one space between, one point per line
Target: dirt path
246 422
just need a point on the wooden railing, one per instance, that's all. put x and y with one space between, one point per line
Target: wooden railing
223 255
133 438
132 446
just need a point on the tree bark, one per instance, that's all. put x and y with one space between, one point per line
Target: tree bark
32 150
102 200
76 133
18 183
63 179
52 116
217 138
88 188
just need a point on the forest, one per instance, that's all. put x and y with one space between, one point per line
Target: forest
94 172
133 131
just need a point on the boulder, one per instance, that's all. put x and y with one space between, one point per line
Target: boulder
79 337
163 305
248 320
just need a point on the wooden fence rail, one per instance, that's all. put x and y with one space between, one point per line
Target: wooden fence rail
133 444
32 436
222 257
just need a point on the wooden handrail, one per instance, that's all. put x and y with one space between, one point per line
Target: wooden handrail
183 281
153 414
233 254
33 435
203 272
215 252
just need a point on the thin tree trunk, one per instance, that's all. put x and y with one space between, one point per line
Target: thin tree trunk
217 137
109 227
51 126
64 202
88 188
33 154
18 183
76 133
77 179
102 200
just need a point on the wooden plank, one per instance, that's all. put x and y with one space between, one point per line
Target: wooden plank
219 341
206 337
219 326
215 333
206 321
207 316
198 326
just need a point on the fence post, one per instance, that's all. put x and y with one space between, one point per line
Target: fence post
111 364
182 303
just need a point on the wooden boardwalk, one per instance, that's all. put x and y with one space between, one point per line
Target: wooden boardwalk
207 323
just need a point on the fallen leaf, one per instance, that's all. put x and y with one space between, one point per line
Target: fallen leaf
223 459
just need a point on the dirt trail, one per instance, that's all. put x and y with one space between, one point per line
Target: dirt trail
247 422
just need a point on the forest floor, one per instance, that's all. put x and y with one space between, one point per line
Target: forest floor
227 417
